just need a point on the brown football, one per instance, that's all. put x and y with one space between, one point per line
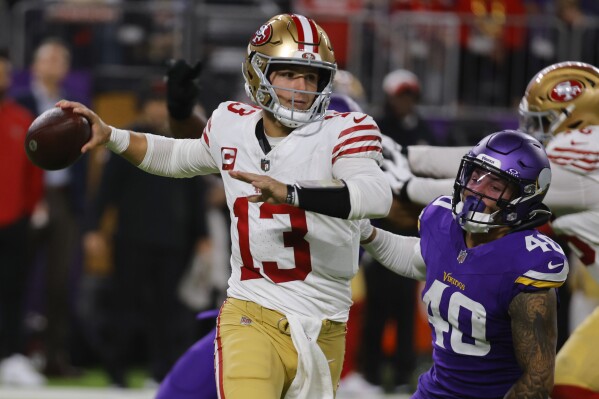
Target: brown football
55 138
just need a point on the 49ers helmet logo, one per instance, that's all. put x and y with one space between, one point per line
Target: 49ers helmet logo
567 90
262 35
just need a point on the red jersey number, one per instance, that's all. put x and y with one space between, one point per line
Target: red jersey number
294 239
241 109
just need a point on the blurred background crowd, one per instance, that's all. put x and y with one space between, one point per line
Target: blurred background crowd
86 280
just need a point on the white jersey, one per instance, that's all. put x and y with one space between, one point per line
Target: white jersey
576 154
283 257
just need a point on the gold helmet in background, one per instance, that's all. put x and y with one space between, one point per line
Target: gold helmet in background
296 40
560 97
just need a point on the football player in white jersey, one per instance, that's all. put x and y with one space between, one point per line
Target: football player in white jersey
297 180
561 108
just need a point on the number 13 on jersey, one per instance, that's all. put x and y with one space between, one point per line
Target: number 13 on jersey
293 239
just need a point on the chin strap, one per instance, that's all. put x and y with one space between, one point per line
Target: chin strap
538 217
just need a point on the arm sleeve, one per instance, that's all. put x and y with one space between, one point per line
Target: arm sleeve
422 190
571 191
177 157
583 226
432 161
398 253
369 193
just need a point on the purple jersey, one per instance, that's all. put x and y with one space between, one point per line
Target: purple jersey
468 292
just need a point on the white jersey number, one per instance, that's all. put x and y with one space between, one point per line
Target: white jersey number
294 239
541 241
457 300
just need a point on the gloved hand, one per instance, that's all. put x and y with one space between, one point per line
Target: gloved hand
396 167
182 87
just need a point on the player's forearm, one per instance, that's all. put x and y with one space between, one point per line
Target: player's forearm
189 128
397 253
130 145
534 334
177 157
432 161
531 387
421 190
580 230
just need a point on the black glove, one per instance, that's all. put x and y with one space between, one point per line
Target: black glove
182 87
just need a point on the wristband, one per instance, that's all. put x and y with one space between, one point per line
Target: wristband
291 198
119 140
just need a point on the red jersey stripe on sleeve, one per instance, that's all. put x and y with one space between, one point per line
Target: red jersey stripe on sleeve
357 128
356 139
357 150
206 130
575 151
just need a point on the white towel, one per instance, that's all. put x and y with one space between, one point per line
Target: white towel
313 377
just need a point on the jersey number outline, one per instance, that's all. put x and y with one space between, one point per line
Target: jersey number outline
542 241
457 300
293 238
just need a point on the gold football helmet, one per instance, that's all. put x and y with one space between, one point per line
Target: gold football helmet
289 39
560 97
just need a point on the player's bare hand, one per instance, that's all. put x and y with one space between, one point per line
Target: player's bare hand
100 130
269 190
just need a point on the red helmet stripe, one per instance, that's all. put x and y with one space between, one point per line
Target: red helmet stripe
306 33
314 35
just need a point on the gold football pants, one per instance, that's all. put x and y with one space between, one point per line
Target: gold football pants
577 362
255 357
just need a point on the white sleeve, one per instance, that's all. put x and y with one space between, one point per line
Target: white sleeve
585 227
397 253
433 161
571 191
177 157
369 192
422 190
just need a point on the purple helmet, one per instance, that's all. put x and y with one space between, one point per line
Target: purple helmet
515 158
343 103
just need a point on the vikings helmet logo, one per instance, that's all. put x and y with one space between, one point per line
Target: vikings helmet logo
566 91
262 35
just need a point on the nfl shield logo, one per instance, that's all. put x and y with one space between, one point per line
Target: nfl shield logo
265 164
462 256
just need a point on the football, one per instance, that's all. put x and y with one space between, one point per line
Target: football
55 138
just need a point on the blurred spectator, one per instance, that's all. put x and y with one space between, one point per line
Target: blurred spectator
346 84
400 119
421 5
492 40
570 12
150 255
63 203
21 191
578 17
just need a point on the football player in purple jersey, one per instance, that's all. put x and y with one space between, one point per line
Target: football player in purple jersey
490 277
